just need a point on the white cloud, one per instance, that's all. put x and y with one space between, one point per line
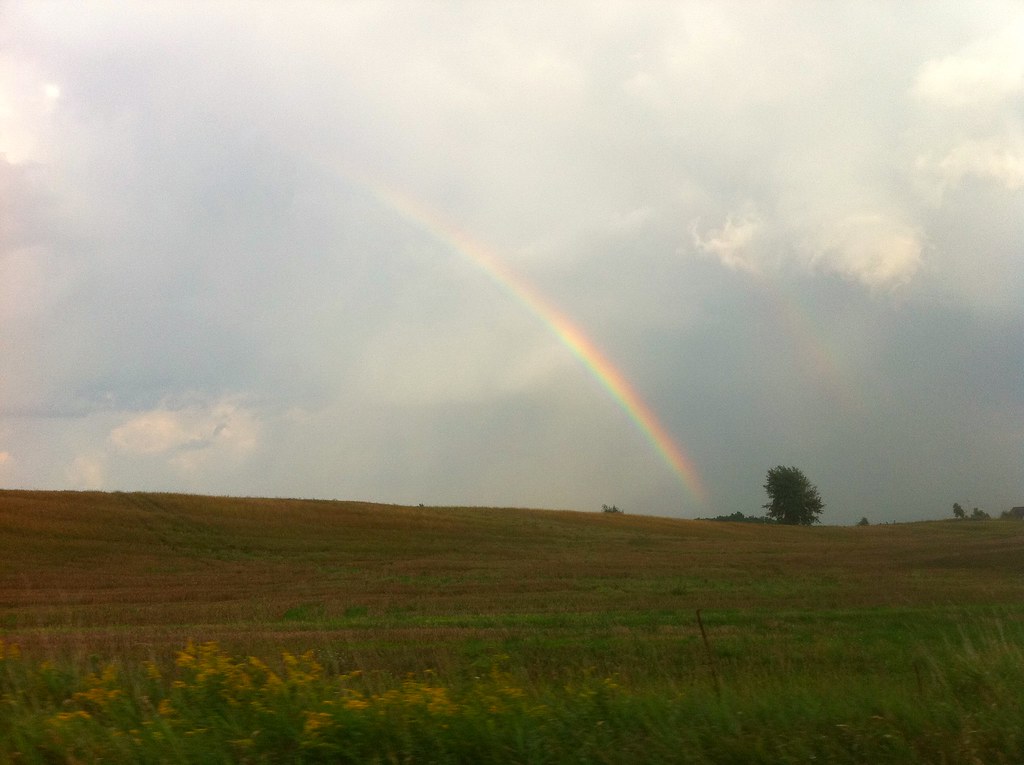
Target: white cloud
985 72
872 249
5 457
978 129
153 433
877 251
190 435
734 243
996 159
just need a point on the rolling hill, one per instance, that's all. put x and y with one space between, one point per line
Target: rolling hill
136 571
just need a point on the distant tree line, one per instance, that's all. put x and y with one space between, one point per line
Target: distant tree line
1014 514
795 501
976 514
739 517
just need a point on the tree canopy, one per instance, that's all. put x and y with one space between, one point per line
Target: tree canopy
793 499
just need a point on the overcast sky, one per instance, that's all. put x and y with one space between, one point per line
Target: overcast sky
235 252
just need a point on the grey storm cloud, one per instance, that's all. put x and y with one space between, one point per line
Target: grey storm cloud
796 231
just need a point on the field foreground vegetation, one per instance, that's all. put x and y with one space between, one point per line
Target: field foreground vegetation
172 628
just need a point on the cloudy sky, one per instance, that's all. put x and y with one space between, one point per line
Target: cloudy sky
518 254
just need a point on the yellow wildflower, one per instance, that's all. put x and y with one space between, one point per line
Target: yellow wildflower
316 721
99 696
301 670
434 698
505 684
103 690
187 657
272 683
67 716
152 670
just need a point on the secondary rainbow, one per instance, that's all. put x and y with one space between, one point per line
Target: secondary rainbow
568 333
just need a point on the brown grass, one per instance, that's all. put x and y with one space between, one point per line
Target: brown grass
128 571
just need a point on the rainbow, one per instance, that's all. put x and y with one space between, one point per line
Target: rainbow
599 366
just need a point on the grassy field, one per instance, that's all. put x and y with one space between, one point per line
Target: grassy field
173 628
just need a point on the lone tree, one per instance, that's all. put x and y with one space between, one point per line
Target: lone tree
958 512
793 499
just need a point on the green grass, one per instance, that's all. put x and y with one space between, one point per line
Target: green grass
149 628
959 705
